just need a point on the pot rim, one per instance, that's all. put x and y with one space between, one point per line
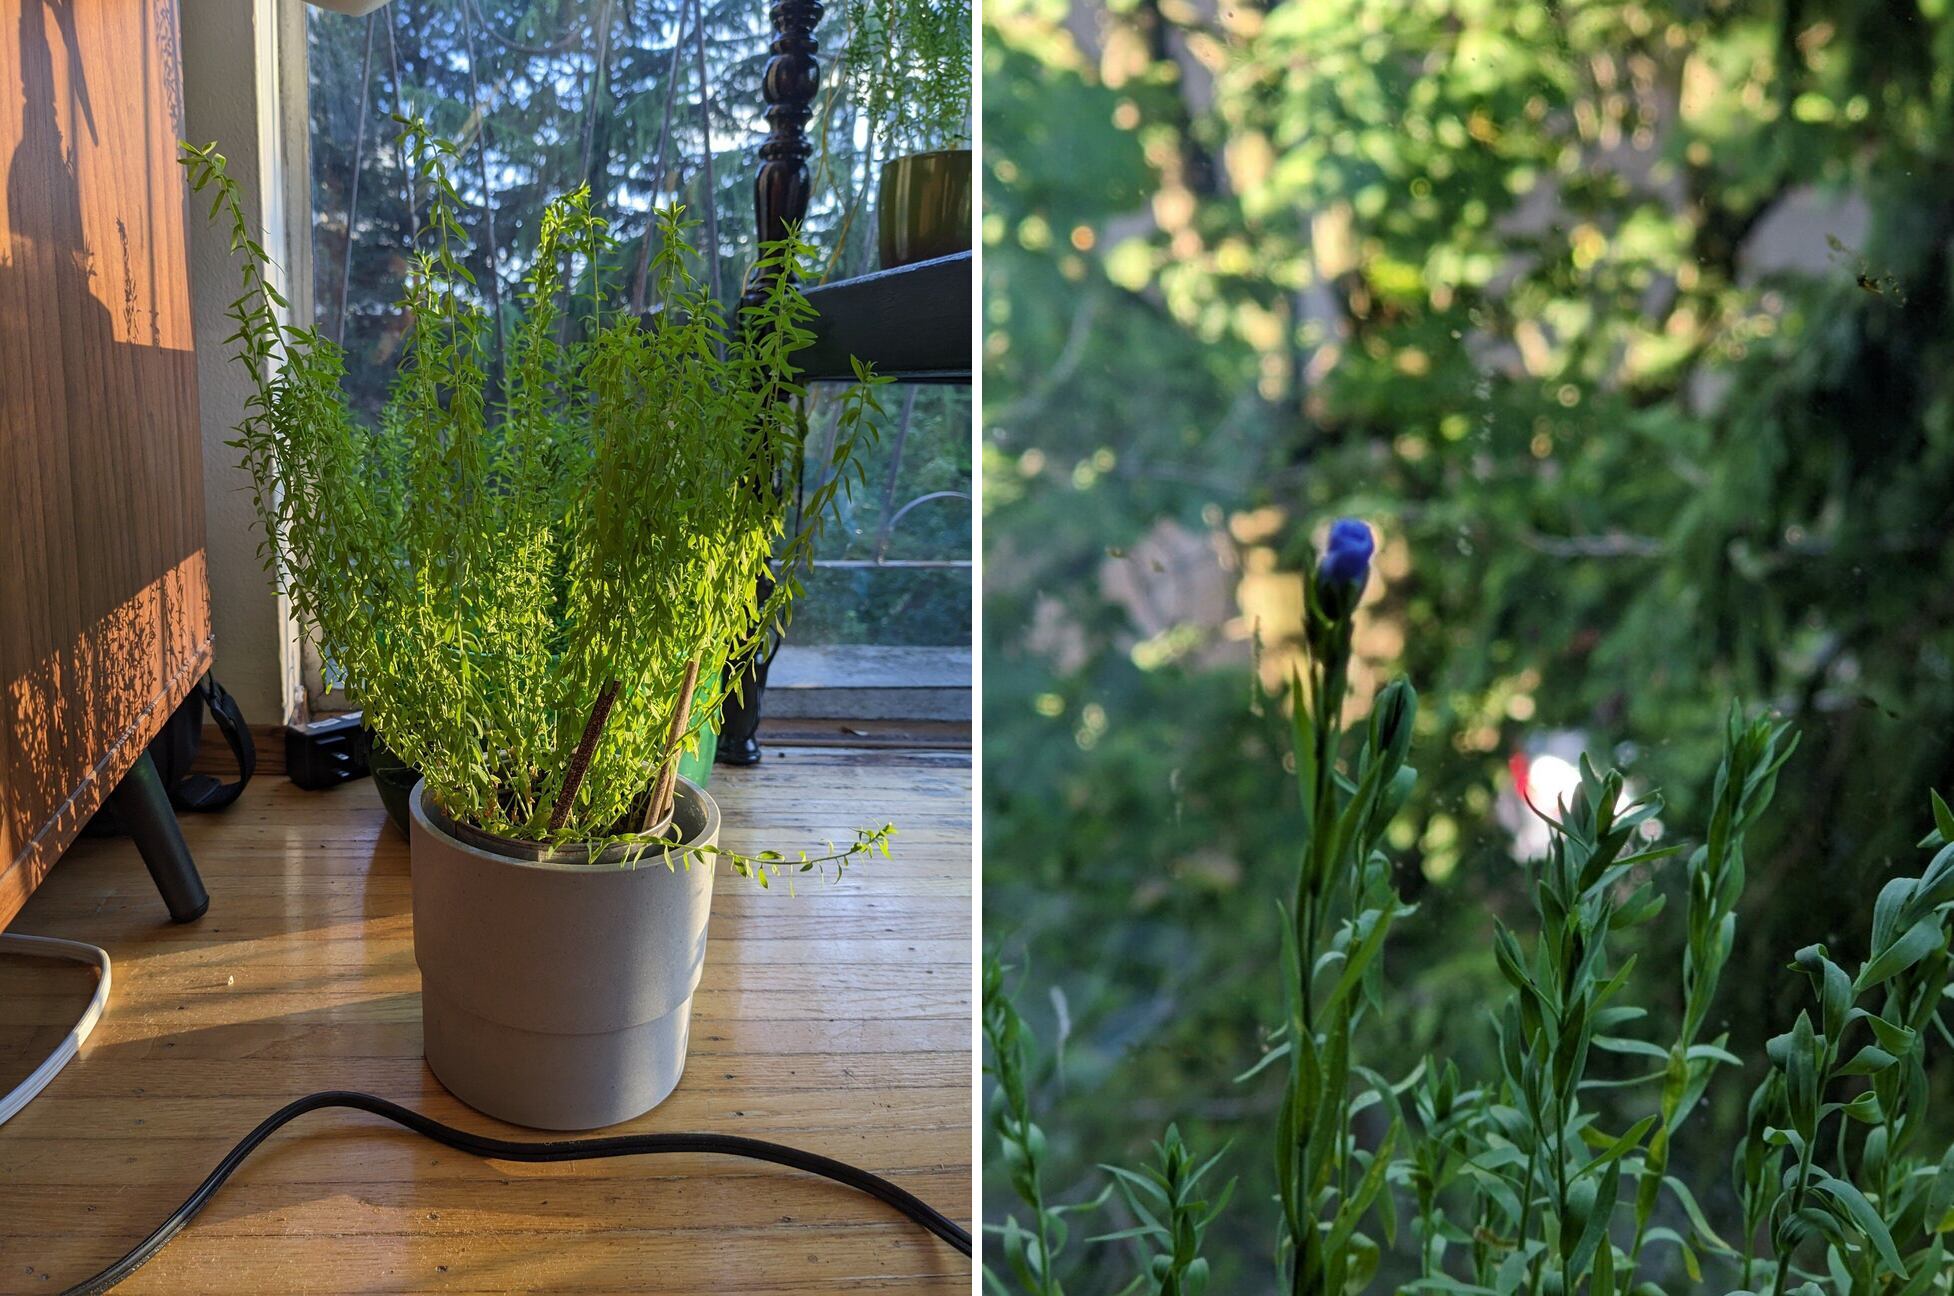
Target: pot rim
574 857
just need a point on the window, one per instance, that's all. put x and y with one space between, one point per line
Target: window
648 103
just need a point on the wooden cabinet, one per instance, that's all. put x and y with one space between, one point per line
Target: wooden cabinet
104 609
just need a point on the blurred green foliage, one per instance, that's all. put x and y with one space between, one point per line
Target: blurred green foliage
1631 319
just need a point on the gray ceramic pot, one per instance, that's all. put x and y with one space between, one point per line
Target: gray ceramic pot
556 987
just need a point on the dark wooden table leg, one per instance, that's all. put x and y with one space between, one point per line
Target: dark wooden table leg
739 718
143 804
739 729
780 195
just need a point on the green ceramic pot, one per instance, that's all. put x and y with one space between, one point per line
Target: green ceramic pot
393 778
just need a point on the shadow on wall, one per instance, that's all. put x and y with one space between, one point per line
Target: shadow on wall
106 622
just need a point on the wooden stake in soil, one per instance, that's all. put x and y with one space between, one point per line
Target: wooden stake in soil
666 791
580 761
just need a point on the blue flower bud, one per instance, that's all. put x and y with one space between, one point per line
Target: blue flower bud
1346 561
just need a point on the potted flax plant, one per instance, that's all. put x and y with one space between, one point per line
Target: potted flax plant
530 583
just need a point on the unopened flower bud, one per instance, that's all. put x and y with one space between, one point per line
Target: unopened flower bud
1344 567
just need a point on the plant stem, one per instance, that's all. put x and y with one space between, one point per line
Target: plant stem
705 144
1313 884
1568 1238
400 146
1526 1202
1047 1286
488 196
353 186
1804 1177
1304 1263
658 171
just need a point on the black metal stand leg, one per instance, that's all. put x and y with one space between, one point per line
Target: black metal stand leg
739 723
144 805
739 719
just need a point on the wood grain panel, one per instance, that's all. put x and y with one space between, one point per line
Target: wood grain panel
104 617
838 1020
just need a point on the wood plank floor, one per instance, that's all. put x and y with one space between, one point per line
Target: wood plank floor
837 1020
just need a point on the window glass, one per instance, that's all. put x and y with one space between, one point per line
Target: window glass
544 95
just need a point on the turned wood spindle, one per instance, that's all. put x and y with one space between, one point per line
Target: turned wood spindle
793 78
780 197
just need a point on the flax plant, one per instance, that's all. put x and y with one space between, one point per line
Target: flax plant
531 584
1746 780
1333 933
1861 1209
1591 883
1869 1205
1553 1202
1031 1249
1174 1217
1520 1182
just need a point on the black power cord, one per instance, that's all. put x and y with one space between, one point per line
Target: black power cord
505 1150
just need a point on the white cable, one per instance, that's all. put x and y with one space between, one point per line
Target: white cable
54 947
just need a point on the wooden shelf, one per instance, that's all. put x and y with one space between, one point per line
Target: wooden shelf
911 323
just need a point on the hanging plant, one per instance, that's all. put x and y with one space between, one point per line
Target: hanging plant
906 67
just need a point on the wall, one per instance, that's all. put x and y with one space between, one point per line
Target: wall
244 86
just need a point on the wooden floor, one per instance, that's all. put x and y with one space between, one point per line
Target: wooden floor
838 1020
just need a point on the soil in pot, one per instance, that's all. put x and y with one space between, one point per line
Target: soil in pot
556 986
922 208
395 778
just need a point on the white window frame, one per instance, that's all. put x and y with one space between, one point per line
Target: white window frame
244 87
